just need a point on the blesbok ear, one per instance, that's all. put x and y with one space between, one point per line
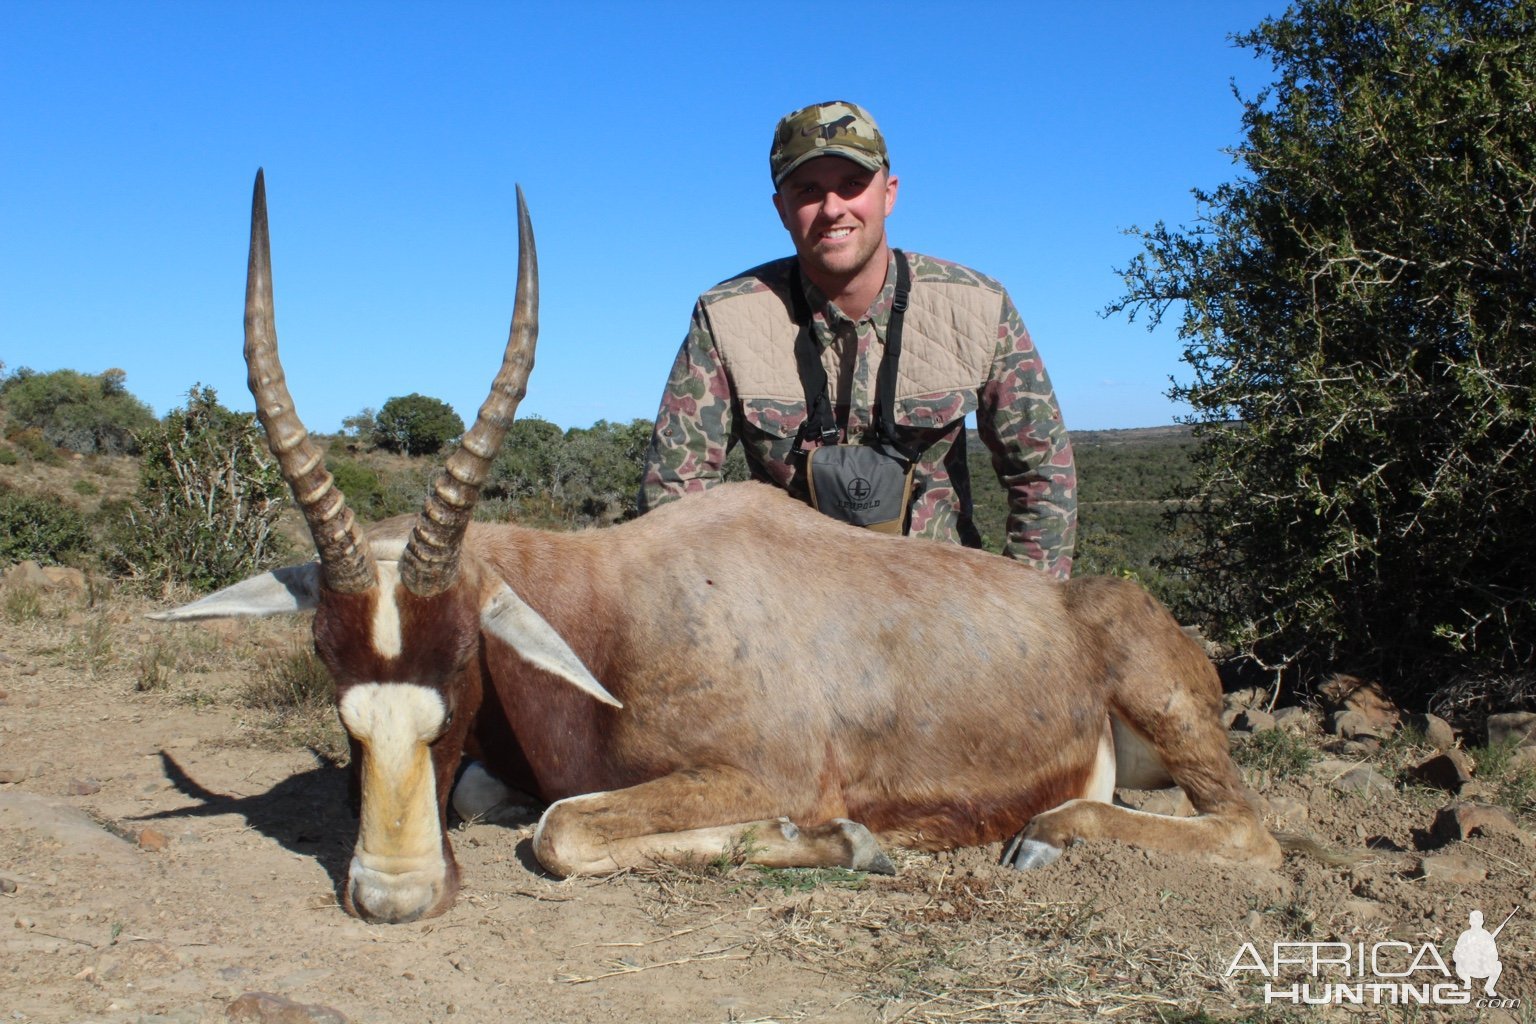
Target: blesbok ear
295 588
508 617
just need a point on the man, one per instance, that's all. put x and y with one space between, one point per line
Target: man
965 349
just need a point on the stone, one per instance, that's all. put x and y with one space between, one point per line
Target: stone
1296 719
26 574
1364 780
267 1008
1351 748
65 579
1452 868
1475 790
153 840
10 774
1514 728
54 577
1437 732
1448 770
1357 725
1248 697
1287 809
1254 720
83 787
1462 820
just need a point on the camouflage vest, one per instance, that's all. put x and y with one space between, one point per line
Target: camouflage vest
951 338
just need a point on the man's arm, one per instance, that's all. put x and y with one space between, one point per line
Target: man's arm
1019 421
694 424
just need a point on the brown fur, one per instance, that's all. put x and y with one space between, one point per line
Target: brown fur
773 663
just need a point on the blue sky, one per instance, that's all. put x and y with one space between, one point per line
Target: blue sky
1027 137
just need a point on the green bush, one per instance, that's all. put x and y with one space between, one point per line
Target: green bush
374 495
208 501
416 425
77 411
582 476
40 528
1356 309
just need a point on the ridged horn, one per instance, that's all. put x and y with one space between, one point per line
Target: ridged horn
431 560
344 557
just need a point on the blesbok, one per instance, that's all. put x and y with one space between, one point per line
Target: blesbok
773 683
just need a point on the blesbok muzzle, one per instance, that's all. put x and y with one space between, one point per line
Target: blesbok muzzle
402 867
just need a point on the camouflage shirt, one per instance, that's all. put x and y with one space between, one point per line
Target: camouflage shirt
964 350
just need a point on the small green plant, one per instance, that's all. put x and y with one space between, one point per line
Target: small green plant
295 691
1294 918
8 457
1514 780
1277 752
738 853
85 488
791 880
154 669
92 646
1403 749
290 682
22 604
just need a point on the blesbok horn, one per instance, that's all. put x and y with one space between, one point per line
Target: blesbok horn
431 559
344 557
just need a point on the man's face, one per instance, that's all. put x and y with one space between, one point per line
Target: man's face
835 212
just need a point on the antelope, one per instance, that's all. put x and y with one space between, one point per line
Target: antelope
732 674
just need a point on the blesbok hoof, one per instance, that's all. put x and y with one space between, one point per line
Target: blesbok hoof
1026 854
864 851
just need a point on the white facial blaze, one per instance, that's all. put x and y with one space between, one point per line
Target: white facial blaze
397 867
386 614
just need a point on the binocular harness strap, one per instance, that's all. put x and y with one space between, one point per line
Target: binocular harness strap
820 423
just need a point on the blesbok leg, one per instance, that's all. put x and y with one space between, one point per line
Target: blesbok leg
1166 692
675 819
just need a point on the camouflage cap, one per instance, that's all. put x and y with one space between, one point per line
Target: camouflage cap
834 128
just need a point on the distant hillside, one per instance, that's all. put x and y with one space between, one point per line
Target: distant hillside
1133 435
1127 480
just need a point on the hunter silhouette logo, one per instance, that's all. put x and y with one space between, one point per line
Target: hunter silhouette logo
1390 972
1476 955
829 130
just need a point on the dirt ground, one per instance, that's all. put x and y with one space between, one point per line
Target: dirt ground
166 851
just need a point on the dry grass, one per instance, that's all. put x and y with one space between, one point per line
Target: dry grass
929 947
265 665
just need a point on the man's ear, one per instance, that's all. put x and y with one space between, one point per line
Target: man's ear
778 204
891 184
